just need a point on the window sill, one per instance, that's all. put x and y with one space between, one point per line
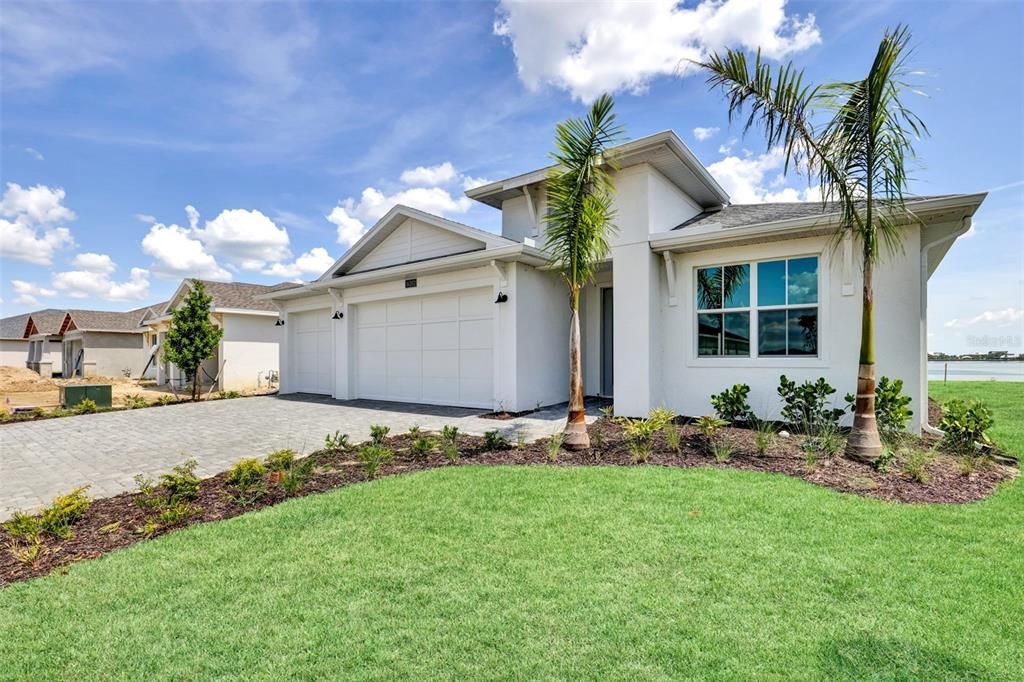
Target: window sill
760 363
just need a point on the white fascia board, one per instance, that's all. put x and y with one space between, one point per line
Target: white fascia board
513 252
713 233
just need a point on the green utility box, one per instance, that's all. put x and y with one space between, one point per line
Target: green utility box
73 394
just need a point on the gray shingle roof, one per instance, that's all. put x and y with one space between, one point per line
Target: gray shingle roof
242 295
742 215
107 321
13 327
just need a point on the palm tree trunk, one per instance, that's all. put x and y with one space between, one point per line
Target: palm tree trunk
576 436
864 445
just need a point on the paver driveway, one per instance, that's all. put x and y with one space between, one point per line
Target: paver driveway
41 459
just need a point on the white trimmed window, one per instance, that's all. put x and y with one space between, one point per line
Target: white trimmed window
767 308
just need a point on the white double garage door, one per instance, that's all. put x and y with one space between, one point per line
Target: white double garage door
436 349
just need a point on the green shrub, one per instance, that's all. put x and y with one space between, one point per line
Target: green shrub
672 438
378 432
27 554
166 400
147 498
178 513
916 465
247 478
964 424
181 484
709 426
422 447
279 460
661 417
892 408
373 457
65 510
24 527
134 401
764 436
336 441
723 450
295 476
495 441
554 446
228 395
805 404
638 434
415 431
827 440
449 434
87 406
884 463
450 451
731 404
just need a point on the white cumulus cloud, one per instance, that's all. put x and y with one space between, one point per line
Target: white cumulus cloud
178 254
758 179
29 293
94 262
248 238
30 229
1000 318
98 284
353 217
314 262
705 133
622 45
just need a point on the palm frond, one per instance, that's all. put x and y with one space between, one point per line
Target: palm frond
579 192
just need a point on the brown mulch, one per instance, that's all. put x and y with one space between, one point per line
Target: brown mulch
115 522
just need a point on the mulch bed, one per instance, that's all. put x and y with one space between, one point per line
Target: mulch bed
94 534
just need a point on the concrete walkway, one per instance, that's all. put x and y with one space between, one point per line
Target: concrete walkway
41 459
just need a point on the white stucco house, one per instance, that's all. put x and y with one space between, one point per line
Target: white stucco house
247 357
31 340
101 343
423 309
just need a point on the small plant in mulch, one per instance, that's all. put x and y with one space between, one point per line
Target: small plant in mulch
295 475
638 434
373 457
916 465
336 441
722 450
378 432
494 441
87 406
450 443
709 426
175 514
247 481
764 436
731 404
554 446
181 484
422 448
166 400
134 401
58 518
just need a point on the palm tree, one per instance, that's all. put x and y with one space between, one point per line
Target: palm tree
579 191
855 137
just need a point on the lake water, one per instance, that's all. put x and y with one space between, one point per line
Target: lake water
977 371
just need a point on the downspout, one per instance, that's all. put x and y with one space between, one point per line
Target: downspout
965 226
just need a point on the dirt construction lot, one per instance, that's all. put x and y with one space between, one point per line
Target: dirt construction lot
20 387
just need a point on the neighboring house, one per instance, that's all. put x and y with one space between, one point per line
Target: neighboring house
424 309
101 343
247 357
30 340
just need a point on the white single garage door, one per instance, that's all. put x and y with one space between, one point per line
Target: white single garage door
436 349
311 359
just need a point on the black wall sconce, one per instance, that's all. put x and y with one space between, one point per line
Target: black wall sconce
502 297
337 315
279 323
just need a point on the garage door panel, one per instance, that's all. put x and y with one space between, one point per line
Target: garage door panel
442 307
404 311
440 364
434 348
372 313
312 351
371 338
477 304
440 335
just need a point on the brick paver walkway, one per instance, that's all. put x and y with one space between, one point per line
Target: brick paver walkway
41 459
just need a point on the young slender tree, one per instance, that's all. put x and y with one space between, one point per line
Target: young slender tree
578 223
855 137
192 337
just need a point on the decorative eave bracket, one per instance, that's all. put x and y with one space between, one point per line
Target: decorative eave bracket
670 275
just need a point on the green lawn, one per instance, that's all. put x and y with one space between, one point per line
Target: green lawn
1006 398
549 573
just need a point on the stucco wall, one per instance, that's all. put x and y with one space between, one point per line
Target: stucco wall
109 354
542 344
689 381
516 221
250 349
13 352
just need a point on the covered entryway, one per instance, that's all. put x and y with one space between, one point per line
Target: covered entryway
311 345
435 349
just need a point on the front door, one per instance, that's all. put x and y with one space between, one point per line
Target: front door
607 341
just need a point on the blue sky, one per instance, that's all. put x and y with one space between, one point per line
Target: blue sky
142 142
